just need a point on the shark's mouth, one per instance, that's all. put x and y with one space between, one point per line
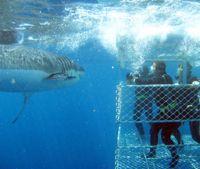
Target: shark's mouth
70 77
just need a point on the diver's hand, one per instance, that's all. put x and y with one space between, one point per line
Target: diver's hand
196 82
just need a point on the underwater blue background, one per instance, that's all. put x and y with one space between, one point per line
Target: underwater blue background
70 128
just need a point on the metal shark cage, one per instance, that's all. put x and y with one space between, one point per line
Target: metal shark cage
182 105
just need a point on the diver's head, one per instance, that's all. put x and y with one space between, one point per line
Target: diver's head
129 78
144 71
159 67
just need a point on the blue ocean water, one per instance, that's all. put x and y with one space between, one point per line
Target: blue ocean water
72 127
69 128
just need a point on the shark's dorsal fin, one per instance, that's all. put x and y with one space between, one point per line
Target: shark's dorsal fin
26 98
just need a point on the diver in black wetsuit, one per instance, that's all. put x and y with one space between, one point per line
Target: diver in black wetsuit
161 97
143 100
190 106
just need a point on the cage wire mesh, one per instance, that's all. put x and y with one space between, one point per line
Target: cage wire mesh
148 104
159 103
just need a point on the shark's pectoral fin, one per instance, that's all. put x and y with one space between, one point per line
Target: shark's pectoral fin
26 98
59 76
56 76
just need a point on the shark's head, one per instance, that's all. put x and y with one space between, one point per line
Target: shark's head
24 70
69 71
74 73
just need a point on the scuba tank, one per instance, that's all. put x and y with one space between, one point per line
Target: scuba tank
179 76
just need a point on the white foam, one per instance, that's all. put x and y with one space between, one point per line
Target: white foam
138 30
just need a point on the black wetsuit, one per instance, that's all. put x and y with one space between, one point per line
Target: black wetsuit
143 103
161 97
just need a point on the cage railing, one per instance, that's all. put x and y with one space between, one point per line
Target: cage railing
157 103
148 104
132 152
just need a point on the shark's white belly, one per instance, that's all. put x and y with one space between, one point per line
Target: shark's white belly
27 81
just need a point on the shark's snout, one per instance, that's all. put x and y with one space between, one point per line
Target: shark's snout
69 69
80 70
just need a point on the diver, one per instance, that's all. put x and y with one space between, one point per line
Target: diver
162 99
189 105
143 100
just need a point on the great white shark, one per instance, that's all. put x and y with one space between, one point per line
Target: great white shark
27 70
